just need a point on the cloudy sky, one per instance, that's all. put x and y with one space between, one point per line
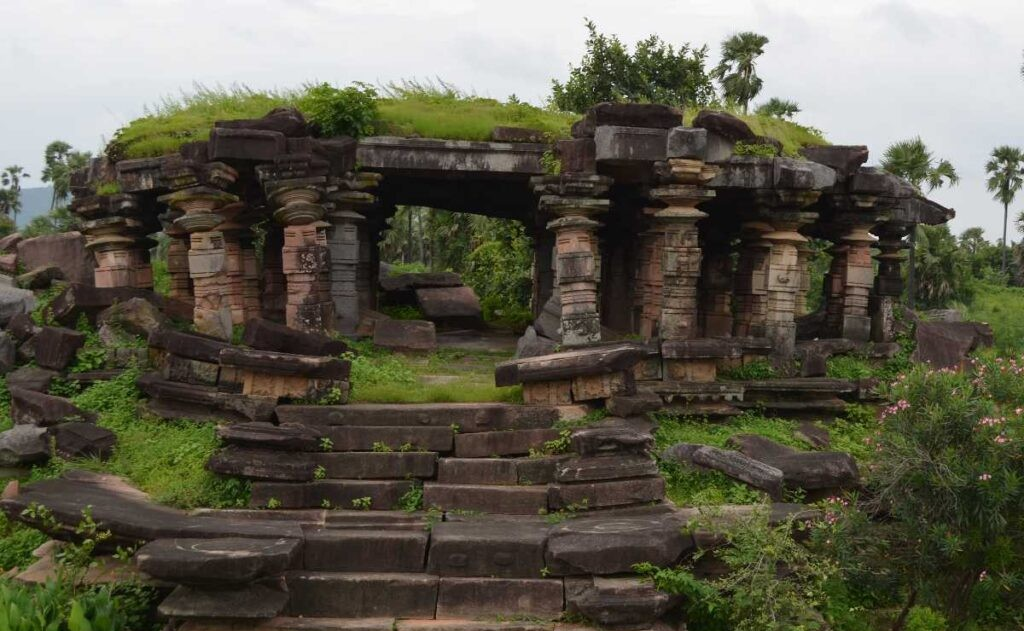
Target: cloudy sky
866 72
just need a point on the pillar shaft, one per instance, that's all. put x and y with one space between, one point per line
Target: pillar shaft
305 258
350 248
750 281
716 284
575 236
888 288
680 268
650 282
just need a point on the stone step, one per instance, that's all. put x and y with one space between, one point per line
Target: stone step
382 494
475 547
499 471
370 624
503 443
365 550
480 597
361 519
366 438
466 417
606 494
509 500
361 595
368 465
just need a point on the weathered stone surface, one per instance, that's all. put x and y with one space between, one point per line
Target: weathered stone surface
610 439
285 120
816 470
78 299
532 345
8 353
356 438
652 115
613 544
507 443
635 404
270 336
180 400
14 302
31 378
611 467
488 548
10 242
620 603
193 346
372 465
251 601
281 623
192 371
36 408
476 625
622 145
464 417
477 471
947 344
382 494
607 494
405 335
508 500
229 560
40 277
285 437
690 143
56 347
65 251
411 282
814 435
845 159
362 595
285 363
474 597
578 155
457 306
366 550
256 145
758 447
137 316
23 445
558 366
538 470
517 134
741 467
21 327
262 464
725 125
83 440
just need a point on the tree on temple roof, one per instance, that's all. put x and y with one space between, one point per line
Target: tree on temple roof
737 71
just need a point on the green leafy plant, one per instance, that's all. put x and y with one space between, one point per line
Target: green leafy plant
273 503
381 447
412 500
756 370
362 503
319 473
350 111
326 444
757 150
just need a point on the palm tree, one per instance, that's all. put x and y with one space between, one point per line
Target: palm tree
737 72
1006 176
10 180
914 162
779 108
61 161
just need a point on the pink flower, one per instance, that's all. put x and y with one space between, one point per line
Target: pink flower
985 477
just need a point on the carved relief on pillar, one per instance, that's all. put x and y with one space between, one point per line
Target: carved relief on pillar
207 259
888 288
750 282
179 280
649 278
574 200
349 257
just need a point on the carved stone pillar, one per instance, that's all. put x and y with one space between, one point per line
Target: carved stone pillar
207 260
680 259
250 276
803 253
233 229
858 279
351 199
649 278
117 239
750 282
272 284
573 200
177 259
889 281
784 276
305 254
716 282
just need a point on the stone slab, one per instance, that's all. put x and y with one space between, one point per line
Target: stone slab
506 443
487 548
272 336
230 560
251 601
366 550
292 624
285 437
606 494
491 471
569 364
475 597
603 545
594 468
56 347
361 595
366 438
405 335
377 466
511 500
609 438
619 603
262 464
465 417
383 494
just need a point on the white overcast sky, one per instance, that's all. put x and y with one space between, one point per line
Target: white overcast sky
865 71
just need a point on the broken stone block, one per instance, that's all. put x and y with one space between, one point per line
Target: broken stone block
14 302
40 277
815 470
725 125
578 155
532 345
21 327
947 344
284 437
177 400
758 447
43 410
606 494
475 597
23 445
596 387
8 353
507 443
83 440
622 145
254 145
506 549
405 335
465 418
450 306
366 550
65 251
137 316
31 378
10 242
494 471
194 346
620 603
262 464
814 435
55 348
253 601
650 115
612 467
270 336
548 392
846 160
230 560
507 500
362 595
741 467
567 365
285 120
634 404
611 545
182 370
690 143
538 470
611 439
413 281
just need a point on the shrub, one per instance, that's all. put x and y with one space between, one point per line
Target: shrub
849 367
350 111
753 371
925 619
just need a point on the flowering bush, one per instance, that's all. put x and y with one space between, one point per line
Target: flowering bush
948 478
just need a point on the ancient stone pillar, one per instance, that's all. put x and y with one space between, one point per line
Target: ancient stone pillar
750 291
783 280
207 259
272 284
649 280
803 252
716 283
304 254
889 281
177 259
234 228
573 200
680 259
348 252
855 274
117 239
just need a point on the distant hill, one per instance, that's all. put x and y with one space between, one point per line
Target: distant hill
34 202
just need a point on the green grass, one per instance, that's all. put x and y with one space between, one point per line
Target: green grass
382 376
849 367
791 135
1003 309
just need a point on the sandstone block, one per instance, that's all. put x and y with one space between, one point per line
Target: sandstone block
508 443
474 597
508 500
607 494
488 548
230 560
362 595
365 550
612 545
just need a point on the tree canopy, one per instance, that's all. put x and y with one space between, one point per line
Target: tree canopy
737 70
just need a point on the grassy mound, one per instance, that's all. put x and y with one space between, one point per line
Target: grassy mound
1001 308
410 109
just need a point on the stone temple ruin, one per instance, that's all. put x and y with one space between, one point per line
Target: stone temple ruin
660 258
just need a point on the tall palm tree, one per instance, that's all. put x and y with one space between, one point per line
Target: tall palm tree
61 161
737 71
10 180
1005 177
914 162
